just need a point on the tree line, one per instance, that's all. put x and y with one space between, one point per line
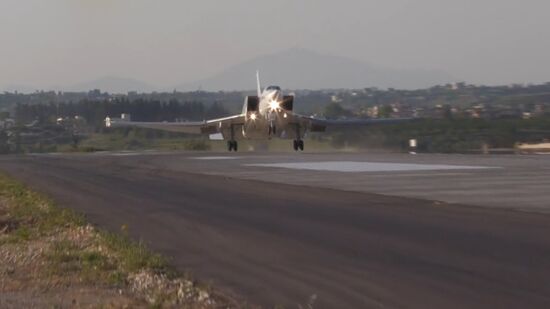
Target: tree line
94 112
444 135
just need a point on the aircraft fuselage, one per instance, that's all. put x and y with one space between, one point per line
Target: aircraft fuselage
270 119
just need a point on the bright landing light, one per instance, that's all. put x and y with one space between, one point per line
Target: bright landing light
274 105
253 116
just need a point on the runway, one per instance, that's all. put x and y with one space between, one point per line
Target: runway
341 230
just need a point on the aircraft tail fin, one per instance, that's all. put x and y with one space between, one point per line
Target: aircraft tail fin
258 83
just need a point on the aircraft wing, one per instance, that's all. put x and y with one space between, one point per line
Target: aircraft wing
192 127
320 125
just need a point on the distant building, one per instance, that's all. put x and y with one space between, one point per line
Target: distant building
533 148
7 123
335 99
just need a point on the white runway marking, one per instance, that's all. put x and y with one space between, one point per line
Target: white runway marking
126 153
130 153
215 158
356 167
442 174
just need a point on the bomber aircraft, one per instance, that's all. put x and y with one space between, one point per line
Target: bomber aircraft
264 116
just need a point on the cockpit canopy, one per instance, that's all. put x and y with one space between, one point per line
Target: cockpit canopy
271 88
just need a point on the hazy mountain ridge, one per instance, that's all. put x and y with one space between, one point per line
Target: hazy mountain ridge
19 88
291 69
113 84
305 69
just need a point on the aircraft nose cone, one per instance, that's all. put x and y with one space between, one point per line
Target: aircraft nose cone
276 95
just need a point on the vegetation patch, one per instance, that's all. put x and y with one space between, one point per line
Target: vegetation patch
50 257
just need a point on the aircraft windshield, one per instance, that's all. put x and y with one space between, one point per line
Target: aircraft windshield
273 88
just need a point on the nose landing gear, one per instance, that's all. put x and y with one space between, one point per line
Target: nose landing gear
272 130
298 145
232 145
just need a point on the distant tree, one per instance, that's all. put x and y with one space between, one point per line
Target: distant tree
385 111
216 110
4 146
447 112
335 110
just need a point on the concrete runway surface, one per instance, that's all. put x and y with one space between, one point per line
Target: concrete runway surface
347 230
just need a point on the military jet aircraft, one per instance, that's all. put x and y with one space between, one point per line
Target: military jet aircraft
269 114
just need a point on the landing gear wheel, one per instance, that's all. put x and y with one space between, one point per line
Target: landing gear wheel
272 131
232 145
301 145
295 145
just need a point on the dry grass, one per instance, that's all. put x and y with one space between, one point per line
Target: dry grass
50 257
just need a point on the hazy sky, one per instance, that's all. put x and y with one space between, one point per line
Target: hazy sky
167 42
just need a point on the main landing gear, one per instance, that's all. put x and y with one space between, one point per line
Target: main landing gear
298 145
272 130
232 145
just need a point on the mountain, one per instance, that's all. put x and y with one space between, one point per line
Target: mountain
113 84
304 69
18 88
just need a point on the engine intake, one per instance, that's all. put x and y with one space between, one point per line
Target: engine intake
288 103
252 103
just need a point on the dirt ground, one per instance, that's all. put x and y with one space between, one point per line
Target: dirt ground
26 280
49 260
